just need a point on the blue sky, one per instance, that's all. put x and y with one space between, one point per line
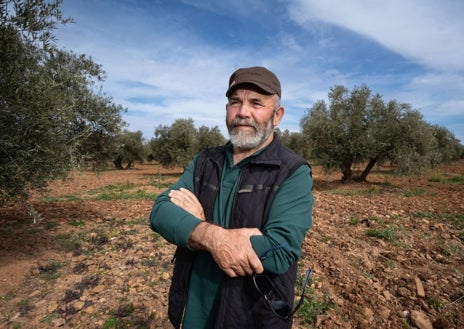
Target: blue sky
170 59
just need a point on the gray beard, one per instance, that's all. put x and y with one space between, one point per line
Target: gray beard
249 140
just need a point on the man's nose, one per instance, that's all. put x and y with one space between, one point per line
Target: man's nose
244 110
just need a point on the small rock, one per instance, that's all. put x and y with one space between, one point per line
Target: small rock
89 310
320 318
384 312
78 305
387 295
419 287
368 314
58 322
165 276
421 320
52 307
98 289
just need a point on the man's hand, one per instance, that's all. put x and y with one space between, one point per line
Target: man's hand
187 201
231 248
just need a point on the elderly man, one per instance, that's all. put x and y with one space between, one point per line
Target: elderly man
239 215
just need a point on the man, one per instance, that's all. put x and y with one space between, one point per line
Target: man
239 215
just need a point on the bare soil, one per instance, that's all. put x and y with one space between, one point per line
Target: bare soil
388 253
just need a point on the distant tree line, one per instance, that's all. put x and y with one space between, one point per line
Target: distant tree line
54 117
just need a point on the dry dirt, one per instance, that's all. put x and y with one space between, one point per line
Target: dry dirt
385 254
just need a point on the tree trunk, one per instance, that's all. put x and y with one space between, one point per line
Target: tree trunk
118 163
347 173
367 170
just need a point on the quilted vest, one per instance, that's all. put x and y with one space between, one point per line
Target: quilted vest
241 306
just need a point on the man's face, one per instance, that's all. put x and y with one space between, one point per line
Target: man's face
251 117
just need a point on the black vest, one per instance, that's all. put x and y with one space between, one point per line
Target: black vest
241 306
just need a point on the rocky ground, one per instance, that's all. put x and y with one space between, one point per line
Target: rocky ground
385 254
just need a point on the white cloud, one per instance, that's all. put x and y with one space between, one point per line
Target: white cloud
428 31
162 68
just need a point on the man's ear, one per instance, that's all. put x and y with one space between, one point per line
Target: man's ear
279 114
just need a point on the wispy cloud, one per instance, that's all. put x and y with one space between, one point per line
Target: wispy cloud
172 59
429 32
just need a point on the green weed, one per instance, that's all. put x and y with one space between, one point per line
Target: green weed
69 242
367 192
453 219
354 220
415 192
24 306
314 306
111 323
49 271
447 179
62 198
121 195
389 233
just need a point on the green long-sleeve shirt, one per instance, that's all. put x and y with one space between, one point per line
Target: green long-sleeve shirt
289 220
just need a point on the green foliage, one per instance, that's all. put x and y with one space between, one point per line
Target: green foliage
448 179
354 220
111 323
129 149
453 219
208 137
389 233
178 144
52 114
49 271
360 128
294 141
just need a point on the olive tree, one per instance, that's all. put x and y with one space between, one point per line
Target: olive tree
174 145
53 113
177 144
129 149
208 137
294 141
359 128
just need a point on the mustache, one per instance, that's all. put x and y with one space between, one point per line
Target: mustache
244 122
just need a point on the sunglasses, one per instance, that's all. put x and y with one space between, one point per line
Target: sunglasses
274 298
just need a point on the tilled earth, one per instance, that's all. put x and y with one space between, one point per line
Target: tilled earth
385 254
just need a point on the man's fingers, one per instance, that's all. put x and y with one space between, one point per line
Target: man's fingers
187 201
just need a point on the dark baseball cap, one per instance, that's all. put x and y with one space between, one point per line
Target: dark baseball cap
256 75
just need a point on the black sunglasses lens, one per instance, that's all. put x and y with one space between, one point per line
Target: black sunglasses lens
263 284
281 308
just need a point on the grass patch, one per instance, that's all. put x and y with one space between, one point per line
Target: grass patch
366 192
62 198
114 188
24 306
69 242
126 195
415 192
447 179
453 219
49 271
390 233
111 323
354 220
313 305
118 191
